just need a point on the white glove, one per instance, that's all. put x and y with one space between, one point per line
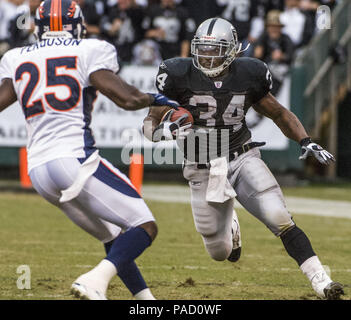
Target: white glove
308 147
169 130
183 131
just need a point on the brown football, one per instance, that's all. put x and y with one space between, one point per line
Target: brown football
178 113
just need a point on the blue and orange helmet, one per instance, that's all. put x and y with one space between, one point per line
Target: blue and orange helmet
59 18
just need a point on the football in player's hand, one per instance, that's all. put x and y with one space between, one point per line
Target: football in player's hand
180 112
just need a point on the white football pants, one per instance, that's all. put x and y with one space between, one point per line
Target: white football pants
257 191
107 203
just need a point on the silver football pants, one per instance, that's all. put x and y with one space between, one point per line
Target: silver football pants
257 191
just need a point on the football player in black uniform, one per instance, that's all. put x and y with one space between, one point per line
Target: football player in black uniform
221 162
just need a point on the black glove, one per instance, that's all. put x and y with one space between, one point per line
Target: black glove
308 147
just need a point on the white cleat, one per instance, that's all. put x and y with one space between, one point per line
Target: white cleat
326 288
84 292
236 252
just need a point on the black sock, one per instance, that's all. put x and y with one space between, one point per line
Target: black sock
297 245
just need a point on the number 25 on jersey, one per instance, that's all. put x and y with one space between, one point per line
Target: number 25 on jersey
53 79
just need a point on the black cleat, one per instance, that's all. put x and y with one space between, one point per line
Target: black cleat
333 291
235 255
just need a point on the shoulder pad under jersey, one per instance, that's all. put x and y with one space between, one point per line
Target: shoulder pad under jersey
252 66
176 67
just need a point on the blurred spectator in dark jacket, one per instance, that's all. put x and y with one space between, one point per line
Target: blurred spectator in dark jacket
21 28
123 28
275 48
273 5
314 4
91 16
247 16
171 27
200 10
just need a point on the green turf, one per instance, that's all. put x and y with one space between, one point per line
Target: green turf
321 191
176 266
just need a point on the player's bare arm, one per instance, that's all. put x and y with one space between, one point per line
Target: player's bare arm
287 121
120 92
292 128
124 95
7 94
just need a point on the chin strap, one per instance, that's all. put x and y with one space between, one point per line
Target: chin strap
240 46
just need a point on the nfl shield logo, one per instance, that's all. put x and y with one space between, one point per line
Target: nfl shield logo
218 84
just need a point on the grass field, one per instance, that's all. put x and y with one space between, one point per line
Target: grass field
176 266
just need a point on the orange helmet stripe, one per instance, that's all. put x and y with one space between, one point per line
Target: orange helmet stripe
51 16
55 12
60 15
57 15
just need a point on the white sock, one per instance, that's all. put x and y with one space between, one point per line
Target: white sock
144 294
311 267
100 276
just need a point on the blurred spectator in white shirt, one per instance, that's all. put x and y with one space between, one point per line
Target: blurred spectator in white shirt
297 25
8 11
294 21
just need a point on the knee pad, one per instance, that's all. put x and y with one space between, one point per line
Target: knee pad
218 247
205 218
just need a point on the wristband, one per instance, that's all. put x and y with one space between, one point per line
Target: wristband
152 98
305 141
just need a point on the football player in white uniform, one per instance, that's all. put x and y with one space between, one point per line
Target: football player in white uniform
56 82
221 162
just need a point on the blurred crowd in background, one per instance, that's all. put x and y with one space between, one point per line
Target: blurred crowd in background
145 32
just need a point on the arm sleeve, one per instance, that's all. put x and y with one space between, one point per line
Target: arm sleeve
263 80
102 56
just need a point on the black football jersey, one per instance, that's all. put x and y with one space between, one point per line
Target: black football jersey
218 106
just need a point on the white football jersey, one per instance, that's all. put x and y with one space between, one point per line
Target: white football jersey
51 80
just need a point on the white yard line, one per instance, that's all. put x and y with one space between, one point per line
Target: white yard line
296 205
